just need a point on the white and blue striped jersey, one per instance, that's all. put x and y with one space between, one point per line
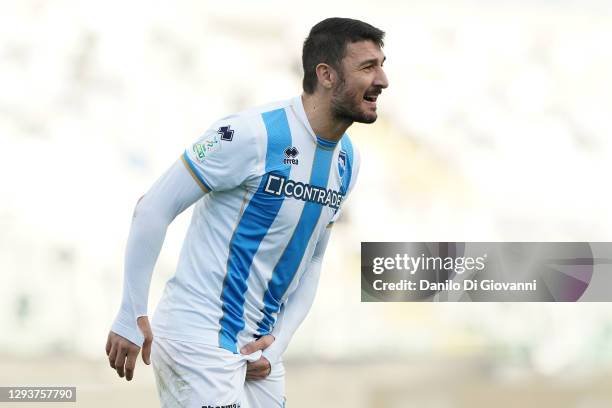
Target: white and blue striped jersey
273 187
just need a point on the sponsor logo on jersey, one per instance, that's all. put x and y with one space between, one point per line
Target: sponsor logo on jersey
206 147
226 133
290 155
234 405
278 185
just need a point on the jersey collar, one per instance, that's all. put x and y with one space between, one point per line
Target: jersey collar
298 108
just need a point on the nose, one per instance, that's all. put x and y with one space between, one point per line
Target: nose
381 79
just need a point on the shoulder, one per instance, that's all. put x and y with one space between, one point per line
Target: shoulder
263 122
251 124
237 134
230 140
258 111
234 128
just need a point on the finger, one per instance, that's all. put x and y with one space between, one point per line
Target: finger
120 361
257 369
259 344
264 371
249 348
256 375
108 345
263 368
267 363
146 350
113 355
253 376
130 364
267 341
251 367
251 372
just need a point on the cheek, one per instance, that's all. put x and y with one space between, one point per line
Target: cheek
356 89
353 88
355 93
362 84
346 92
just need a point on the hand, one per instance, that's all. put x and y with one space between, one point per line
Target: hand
122 353
260 369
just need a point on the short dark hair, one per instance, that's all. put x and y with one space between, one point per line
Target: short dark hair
327 43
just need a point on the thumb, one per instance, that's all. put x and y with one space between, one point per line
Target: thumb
146 350
256 345
145 328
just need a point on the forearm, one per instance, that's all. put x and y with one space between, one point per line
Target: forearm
299 302
145 240
168 197
294 312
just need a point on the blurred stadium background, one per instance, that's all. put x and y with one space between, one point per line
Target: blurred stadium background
496 127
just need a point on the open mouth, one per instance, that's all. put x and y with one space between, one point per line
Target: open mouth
371 96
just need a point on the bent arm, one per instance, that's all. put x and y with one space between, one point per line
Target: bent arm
298 304
172 193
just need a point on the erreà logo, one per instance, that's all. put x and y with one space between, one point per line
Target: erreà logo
278 185
290 155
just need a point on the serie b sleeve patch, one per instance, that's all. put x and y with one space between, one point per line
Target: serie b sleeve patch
206 147
225 155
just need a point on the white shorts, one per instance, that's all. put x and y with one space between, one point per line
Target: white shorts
193 375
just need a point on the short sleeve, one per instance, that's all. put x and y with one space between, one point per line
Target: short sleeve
225 156
353 164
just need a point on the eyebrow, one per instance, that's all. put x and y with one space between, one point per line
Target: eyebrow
372 60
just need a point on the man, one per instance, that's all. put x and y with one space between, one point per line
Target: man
269 183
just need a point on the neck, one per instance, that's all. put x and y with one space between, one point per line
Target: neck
321 118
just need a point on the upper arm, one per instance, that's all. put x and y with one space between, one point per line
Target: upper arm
170 195
321 246
224 157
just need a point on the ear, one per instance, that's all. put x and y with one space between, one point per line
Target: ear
326 75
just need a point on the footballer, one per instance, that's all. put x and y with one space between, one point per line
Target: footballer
268 183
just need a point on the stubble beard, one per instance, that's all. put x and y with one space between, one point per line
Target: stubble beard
345 106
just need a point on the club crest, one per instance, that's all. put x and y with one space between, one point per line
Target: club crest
341 163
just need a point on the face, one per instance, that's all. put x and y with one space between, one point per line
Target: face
360 82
